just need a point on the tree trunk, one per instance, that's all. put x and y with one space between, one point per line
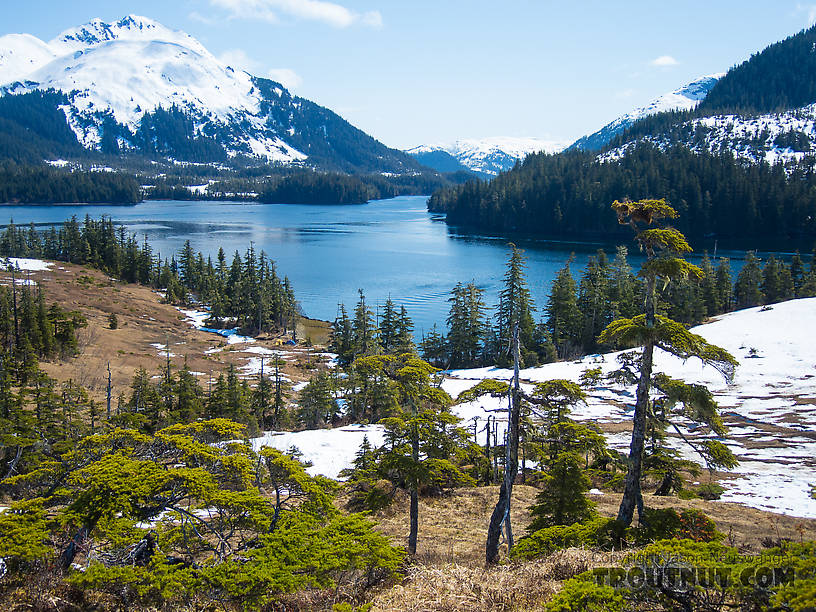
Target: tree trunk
412 536
501 513
632 495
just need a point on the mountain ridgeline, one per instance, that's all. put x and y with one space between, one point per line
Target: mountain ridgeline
745 177
781 77
175 117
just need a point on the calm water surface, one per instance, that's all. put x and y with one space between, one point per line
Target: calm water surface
387 247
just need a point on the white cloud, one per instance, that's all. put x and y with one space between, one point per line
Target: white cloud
286 77
239 60
663 61
196 16
331 13
810 9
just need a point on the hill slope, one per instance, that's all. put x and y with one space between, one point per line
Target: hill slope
731 176
683 98
135 85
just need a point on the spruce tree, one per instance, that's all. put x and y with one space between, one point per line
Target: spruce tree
365 339
664 248
515 309
563 315
747 290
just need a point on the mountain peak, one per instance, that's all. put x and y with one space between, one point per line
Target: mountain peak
130 27
487 156
686 97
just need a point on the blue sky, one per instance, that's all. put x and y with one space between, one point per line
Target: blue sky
419 71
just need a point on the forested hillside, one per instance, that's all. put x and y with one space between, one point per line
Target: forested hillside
44 185
569 195
781 77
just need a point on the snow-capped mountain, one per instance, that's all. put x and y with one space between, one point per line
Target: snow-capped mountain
684 98
487 156
115 75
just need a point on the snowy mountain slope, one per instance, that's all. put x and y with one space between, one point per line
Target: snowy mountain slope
788 137
487 156
21 54
114 75
684 98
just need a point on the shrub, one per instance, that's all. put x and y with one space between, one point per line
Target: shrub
597 533
655 524
696 525
710 491
664 524
580 594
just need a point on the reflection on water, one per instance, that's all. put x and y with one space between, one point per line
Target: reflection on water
389 247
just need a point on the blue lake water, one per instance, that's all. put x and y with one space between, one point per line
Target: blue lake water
387 247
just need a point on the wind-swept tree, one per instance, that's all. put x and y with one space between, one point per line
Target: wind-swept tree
422 437
664 248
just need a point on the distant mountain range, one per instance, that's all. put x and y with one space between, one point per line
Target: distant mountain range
684 98
489 156
137 86
486 157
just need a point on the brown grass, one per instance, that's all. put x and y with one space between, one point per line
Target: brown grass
448 572
143 320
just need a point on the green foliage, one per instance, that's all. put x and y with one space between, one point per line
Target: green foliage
319 188
666 523
670 336
36 184
674 574
597 533
486 386
25 532
580 594
768 82
192 514
562 499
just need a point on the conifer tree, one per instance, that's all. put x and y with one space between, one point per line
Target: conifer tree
466 325
421 437
342 339
316 406
434 349
365 339
664 249
388 327
405 333
797 273
747 288
563 314
593 301
515 309
723 285
623 285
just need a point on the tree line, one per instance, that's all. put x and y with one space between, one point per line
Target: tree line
477 333
44 185
565 195
244 292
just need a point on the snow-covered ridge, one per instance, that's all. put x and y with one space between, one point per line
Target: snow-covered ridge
686 97
491 155
135 66
787 137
